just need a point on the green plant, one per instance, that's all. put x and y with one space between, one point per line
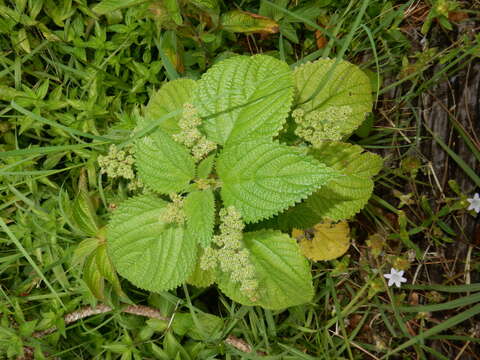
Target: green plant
230 154
440 11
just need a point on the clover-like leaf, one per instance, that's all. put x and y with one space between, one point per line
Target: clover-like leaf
283 274
244 97
344 196
336 93
170 98
261 178
163 164
151 254
199 207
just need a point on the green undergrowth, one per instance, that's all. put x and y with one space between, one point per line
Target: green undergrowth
76 75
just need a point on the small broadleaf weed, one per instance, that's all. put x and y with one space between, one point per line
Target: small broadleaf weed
223 161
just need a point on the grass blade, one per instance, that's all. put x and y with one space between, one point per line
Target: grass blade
29 259
67 129
447 324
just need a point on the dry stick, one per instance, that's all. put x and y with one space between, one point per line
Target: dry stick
238 344
101 309
139 310
462 350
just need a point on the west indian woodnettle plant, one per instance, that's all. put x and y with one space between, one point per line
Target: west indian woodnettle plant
232 163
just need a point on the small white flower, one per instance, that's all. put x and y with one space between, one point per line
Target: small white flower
474 203
395 277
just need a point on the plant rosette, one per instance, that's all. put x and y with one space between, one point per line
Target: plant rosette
234 160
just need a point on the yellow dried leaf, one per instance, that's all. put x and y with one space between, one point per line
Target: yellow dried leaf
325 241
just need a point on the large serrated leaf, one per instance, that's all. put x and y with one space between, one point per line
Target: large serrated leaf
261 178
326 84
163 164
283 274
344 196
244 97
199 207
151 254
170 98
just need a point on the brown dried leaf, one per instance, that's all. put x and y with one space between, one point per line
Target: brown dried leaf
320 39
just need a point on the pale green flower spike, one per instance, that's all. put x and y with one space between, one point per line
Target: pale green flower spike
320 125
117 163
202 148
135 184
190 136
209 259
204 184
230 255
174 213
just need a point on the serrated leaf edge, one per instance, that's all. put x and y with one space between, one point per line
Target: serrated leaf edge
311 159
133 200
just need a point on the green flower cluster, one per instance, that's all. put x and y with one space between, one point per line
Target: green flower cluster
204 184
319 125
229 254
190 136
135 185
174 213
117 163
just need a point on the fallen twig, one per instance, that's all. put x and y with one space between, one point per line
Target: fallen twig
140 310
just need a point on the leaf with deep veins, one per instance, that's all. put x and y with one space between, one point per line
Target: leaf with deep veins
283 274
170 98
151 254
199 209
326 86
163 164
344 196
244 97
261 178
